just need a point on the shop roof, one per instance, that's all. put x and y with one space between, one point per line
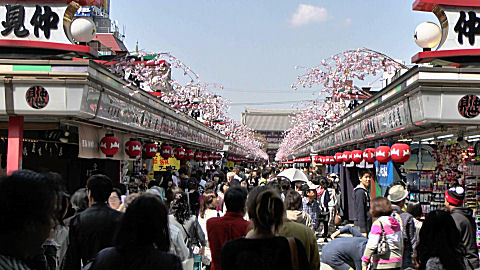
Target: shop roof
110 41
268 120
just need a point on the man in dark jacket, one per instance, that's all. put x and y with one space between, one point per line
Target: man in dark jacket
465 223
362 202
397 195
93 229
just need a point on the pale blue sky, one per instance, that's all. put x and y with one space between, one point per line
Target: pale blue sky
251 46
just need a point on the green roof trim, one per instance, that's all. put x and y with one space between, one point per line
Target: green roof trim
32 68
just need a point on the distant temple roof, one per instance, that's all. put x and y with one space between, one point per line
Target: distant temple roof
268 120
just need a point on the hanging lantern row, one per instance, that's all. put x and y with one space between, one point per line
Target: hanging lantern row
399 153
110 145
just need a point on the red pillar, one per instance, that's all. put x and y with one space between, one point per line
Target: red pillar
15 144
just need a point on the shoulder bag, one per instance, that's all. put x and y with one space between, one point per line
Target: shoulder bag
382 247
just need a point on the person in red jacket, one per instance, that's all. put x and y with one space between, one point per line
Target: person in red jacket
229 227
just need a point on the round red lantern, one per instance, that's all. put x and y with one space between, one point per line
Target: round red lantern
347 157
179 153
218 157
205 157
198 156
230 158
338 157
109 145
150 150
400 152
357 156
133 148
190 154
369 155
211 156
332 160
166 151
383 154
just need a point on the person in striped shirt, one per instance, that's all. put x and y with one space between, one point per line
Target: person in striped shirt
389 225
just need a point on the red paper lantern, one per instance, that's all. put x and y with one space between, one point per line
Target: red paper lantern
338 157
205 157
198 156
347 157
400 152
109 145
150 150
369 155
218 157
189 154
133 148
179 153
211 156
383 154
357 156
332 160
166 151
230 158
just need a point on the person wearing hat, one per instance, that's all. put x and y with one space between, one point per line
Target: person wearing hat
311 206
465 223
397 195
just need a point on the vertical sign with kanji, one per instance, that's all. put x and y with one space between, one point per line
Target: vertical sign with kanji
36 22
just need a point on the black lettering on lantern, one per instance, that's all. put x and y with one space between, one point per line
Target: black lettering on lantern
14 20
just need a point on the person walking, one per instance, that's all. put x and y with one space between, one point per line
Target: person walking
143 239
262 249
439 246
294 207
362 202
386 234
464 221
311 206
229 227
93 229
397 195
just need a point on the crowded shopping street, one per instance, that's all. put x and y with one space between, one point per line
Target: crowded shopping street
239 135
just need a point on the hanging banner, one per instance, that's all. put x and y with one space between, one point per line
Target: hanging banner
161 165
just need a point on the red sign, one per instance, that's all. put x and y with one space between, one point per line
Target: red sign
37 97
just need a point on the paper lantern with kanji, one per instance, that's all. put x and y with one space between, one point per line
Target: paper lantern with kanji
357 156
330 160
166 151
383 154
133 148
211 156
190 154
150 150
179 153
338 157
198 156
205 156
109 145
369 155
400 152
347 156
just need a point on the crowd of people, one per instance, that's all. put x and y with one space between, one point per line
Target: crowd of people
243 218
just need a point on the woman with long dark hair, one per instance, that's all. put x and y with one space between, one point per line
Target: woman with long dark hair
262 249
143 240
439 246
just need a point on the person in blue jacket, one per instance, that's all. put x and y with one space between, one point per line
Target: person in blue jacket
344 253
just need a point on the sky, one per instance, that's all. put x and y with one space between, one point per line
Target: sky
251 47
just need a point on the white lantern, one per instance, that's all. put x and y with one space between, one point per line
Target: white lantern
83 29
427 35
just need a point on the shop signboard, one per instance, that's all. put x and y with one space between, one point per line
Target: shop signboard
161 165
461 27
24 20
